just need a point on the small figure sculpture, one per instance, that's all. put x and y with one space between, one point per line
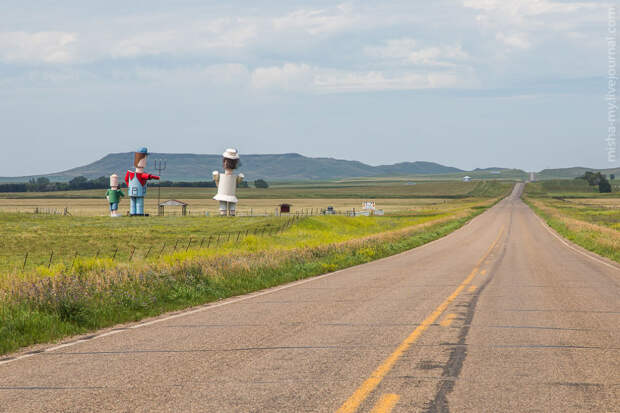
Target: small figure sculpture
227 183
136 183
114 195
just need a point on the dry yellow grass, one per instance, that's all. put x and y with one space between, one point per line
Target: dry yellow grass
96 207
598 238
612 203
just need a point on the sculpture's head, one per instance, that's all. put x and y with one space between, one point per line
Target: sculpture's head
114 181
230 159
139 159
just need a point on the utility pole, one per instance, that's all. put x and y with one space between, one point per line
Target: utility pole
160 166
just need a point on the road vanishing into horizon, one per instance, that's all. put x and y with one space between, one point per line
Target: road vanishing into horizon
500 316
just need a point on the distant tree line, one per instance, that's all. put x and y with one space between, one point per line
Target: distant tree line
597 179
43 184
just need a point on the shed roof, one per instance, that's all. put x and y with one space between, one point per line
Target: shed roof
173 202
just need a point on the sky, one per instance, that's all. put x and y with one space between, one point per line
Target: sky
470 83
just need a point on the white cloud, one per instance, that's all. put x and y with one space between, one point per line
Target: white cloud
516 40
150 43
218 76
53 47
223 33
303 77
393 48
528 7
439 55
406 51
526 25
319 21
290 76
350 46
37 47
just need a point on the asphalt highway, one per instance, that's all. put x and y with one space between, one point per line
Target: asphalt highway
500 316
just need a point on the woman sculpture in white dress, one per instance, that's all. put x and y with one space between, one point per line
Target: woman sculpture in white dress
227 183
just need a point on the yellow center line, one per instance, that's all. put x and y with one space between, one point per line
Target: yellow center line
472 288
375 378
386 403
448 320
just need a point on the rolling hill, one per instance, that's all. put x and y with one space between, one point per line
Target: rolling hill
296 167
571 173
276 167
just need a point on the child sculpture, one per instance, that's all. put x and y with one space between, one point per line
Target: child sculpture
227 183
114 195
136 183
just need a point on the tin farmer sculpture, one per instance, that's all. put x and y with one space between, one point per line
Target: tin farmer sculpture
136 183
114 195
227 183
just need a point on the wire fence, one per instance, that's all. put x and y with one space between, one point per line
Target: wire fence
65 211
127 253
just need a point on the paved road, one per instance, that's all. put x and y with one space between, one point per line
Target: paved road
500 316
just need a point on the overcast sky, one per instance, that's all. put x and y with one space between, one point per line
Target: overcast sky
470 83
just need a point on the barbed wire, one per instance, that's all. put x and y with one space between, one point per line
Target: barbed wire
30 259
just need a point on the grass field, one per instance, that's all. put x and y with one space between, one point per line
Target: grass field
129 268
585 217
60 239
392 197
569 188
344 189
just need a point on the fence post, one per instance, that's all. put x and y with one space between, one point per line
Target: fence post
97 254
201 242
25 259
188 244
162 249
209 243
175 246
147 253
115 251
132 251
238 234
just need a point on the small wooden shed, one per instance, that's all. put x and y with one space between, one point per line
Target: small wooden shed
285 208
173 202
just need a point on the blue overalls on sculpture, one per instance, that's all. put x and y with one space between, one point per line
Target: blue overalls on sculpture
136 183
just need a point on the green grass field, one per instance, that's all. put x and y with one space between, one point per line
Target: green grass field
129 268
53 239
568 188
366 189
575 210
392 197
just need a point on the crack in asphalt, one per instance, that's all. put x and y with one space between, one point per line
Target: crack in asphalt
458 354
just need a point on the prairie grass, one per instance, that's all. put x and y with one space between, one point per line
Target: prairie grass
594 227
380 189
35 240
391 196
568 188
45 304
